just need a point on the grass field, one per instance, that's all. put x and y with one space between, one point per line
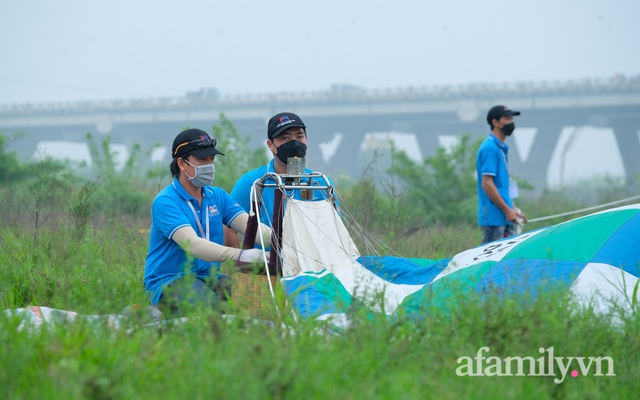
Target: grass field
264 353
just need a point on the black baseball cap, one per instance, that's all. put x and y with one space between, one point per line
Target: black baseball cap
281 122
498 112
195 142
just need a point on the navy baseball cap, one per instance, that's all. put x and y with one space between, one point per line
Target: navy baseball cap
195 142
498 112
281 122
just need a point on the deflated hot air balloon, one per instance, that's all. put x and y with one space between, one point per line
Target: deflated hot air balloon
594 259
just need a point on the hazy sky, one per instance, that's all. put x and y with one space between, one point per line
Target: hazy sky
80 49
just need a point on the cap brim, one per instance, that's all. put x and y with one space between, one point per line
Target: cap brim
507 113
288 126
205 152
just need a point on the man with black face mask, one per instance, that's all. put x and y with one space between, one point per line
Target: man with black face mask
286 137
496 208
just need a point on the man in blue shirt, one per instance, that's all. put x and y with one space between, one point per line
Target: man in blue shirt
286 137
186 235
495 206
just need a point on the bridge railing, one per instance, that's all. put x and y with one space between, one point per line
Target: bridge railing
335 94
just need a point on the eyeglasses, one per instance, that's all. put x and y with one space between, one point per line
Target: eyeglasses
198 142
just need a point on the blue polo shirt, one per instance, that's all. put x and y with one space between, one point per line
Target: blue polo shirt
492 159
166 261
242 191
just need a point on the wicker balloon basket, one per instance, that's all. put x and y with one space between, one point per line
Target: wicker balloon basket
251 291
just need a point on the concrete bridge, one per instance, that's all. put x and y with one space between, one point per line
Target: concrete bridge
344 114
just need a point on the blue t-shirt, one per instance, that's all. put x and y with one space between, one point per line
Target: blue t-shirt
242 191
492 159
166 260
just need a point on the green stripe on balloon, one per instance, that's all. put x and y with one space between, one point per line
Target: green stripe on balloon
578 240
445 292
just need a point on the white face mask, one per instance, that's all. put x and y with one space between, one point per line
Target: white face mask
204 174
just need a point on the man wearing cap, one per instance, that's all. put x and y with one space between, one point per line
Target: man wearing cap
186 235
286 137
495 205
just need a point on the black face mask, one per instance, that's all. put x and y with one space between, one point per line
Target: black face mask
508 129
292 148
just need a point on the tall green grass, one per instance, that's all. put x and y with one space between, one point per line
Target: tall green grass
269 354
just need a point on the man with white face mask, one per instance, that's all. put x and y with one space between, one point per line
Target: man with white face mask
186 235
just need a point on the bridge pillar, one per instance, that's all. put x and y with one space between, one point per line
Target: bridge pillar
428 142
536 167
629 145
347 157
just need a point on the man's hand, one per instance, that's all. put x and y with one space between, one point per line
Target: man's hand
253 255
510 214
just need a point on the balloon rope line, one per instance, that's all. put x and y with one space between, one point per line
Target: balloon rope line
584 209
